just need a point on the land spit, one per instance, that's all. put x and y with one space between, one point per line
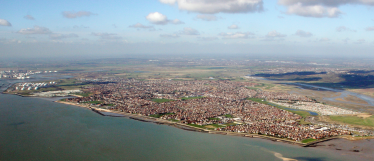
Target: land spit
193 128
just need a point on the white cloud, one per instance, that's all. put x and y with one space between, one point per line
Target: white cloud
275 34
69 14
189 31
157 18
302 33
343 28
176 22
217 6
62 36
35 30
233 27
370 29
237 35
160 19
168 1
169 35
4 23
206 17
319 8
313 11
326 2
29 17
107 36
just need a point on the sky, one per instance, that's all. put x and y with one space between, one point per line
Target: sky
115 28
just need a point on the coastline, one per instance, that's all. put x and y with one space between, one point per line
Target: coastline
193 128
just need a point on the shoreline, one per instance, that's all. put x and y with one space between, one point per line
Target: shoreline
193 128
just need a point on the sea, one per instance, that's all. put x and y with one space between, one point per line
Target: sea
40 129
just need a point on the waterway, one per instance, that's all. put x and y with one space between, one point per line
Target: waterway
39 129
344 93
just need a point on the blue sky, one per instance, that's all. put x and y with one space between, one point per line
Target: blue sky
52 28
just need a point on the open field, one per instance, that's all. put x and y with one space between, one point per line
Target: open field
363 121
355 107
354 120
188 98
366 91
299 112
353 99
308 140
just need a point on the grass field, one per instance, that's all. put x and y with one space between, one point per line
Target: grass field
308 140
188 98
354 120
83 94
228 116
260 100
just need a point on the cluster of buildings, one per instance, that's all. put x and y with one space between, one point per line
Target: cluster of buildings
218 98
316 107
32 86
20 74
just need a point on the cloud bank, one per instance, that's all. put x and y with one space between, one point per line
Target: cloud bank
217 6
62 36
319 8
4 23
35 30
237 35
68 14
160 19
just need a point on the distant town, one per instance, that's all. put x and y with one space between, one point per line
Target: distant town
217 105
21 74
244 96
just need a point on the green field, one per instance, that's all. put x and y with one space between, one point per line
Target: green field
83 94
354 120
157 100
228 116
230 124
260 100
188 98
308 140
216 125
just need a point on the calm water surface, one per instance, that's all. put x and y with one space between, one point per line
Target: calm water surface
39 129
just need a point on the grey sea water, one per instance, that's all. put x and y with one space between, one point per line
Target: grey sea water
39 129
